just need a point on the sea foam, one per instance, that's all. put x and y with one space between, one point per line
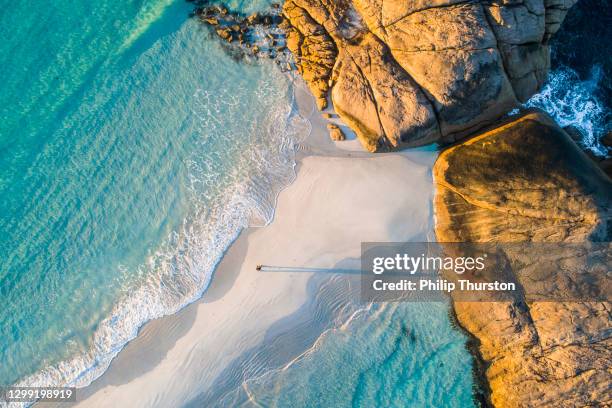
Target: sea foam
572 101
179 272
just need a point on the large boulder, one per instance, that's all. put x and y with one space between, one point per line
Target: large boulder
527 181
406 73
391 104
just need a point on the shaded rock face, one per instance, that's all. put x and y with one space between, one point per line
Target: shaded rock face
583 43
528 181
406 73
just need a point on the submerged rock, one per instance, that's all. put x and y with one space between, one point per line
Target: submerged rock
252 19
607 140
212 20
606 166
259 32
527 181
602 161
408 73
225 33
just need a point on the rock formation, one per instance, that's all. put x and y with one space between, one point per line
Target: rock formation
527 181
407 73
256 34
335 133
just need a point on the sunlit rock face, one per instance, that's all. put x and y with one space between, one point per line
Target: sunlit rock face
526 181
407 73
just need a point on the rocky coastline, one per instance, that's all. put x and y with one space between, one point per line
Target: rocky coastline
424 77
257 35
403 74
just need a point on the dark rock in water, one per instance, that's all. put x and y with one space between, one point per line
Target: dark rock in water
607 140
606 166
225 33
211 20
253 19
238 29
583 41
284 25
593 156
574 133
205 12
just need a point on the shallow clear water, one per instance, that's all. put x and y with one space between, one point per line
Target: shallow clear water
130 157
384 355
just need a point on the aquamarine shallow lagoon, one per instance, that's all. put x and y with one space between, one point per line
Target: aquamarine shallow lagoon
129 161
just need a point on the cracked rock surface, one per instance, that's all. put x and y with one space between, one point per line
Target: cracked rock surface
527 181
407 73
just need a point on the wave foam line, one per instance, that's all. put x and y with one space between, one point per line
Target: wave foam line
179 273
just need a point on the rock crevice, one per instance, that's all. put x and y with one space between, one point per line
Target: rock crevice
467 62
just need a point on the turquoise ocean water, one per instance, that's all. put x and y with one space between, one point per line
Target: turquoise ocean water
387 355
133 149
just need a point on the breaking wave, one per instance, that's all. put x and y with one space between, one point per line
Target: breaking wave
572 101
179 272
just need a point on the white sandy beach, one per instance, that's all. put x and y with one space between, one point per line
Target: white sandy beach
338 200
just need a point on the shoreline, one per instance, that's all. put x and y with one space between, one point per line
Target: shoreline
266 261
482 388
156 351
